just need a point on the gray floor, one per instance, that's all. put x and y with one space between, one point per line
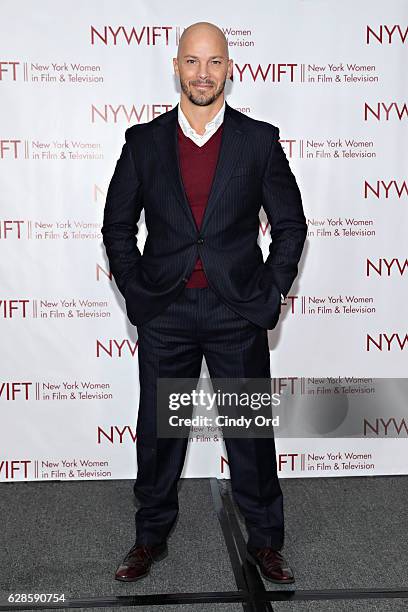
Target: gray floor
346 532
69 537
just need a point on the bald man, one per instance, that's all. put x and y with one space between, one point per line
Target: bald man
201 288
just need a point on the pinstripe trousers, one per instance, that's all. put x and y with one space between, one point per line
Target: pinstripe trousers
171 345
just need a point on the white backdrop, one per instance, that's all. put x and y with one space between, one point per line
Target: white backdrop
73 77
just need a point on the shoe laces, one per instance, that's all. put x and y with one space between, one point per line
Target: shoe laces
272 559
138 552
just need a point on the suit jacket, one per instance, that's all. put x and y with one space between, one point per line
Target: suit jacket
252 171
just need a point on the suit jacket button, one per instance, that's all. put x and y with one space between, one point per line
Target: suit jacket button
200 241
185 280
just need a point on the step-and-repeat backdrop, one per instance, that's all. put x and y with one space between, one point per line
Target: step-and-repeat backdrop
73 77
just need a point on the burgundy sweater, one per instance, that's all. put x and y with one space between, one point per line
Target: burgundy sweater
197 167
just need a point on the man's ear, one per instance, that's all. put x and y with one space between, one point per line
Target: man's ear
175 65
229 69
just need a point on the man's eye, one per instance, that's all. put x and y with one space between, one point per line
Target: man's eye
216 62
190 61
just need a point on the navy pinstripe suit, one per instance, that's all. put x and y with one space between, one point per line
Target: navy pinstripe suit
226 322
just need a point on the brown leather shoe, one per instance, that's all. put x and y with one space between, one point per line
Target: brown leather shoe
137 562
272 564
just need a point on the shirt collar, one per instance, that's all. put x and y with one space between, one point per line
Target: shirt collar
212 125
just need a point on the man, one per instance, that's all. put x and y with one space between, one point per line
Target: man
201 288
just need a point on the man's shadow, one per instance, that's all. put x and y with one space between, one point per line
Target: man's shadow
274 335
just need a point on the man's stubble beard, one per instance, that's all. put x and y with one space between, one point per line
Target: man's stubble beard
202 100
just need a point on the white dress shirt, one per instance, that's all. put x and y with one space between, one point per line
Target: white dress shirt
210 128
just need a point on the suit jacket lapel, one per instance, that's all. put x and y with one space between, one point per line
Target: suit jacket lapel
232 143
165 137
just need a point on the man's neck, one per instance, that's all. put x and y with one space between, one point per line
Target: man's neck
199 116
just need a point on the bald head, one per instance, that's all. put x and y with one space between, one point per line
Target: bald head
202 64
202 31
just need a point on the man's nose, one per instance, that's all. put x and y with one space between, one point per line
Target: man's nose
202 74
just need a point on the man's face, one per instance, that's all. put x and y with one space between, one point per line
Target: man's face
202 66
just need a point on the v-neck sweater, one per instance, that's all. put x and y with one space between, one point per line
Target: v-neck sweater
197 169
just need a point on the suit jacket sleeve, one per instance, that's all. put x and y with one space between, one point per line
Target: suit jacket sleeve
122 212
282 203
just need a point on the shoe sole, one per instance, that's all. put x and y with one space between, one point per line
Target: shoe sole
256 564
159 557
